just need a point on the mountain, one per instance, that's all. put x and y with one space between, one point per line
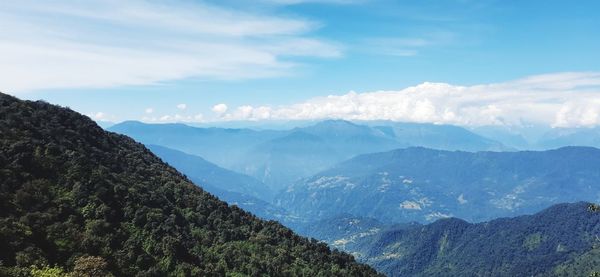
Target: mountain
280 157
221 146
340 228
207 174
443 137
280 161
535 137
559 137
419 184
76 198
308 150
231 187
514 137
562 240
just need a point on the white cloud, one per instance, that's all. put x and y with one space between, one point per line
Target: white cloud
149 110
83 44
168 118
182 106
99 116
561 99
219 108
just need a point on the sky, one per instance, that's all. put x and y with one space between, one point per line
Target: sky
463 62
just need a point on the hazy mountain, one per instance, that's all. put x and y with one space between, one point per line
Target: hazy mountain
562 240
511 137
419 184
278 158
534 137
231 187
223 147
443 137
308 150
350 139
70 190
205 173
559 137
280 161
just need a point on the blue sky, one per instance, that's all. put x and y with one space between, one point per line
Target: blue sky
279 59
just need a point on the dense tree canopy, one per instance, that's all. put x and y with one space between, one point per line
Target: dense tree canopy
75 198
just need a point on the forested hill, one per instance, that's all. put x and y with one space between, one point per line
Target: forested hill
563 240
76 198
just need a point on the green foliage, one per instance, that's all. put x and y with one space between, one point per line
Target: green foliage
587 262
532 241
47 271
71 190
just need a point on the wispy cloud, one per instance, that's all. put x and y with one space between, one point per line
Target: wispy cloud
405 46
66 44
561 100
295 2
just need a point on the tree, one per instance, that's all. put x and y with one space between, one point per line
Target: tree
90 266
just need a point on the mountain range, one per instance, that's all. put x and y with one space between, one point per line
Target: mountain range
419 184
280 157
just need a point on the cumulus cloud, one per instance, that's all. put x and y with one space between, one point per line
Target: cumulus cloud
168 118
219 108
101 116
560 100
149 110
182 106
97 43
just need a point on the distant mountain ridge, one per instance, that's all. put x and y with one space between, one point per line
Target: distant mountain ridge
419 184
218 145
279 157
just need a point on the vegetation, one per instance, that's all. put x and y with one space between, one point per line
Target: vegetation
559 241
77 199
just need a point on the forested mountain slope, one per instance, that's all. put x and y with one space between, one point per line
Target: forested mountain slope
563 240
70 189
